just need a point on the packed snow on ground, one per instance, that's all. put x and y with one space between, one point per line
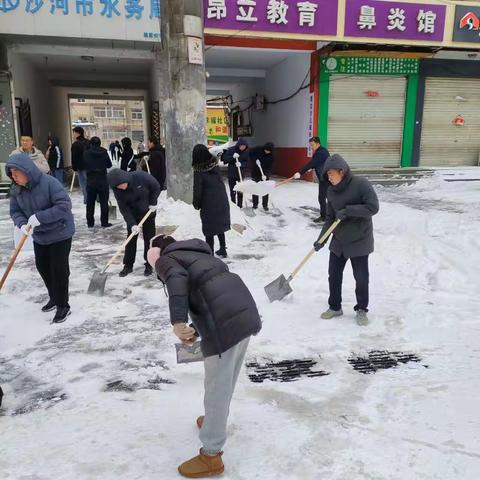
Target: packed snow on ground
101 396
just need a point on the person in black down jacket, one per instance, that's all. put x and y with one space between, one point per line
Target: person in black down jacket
96 162
320 155
265 155
210 197
55 160
354 201
127 158
236 157
78 148
225 316
154 162
136 194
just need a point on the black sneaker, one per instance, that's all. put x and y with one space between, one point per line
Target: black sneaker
126 270
90 226
108 225
266 209
222 252
148 270
61 315
319 220
50 306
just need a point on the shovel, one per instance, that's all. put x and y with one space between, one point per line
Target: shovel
73 182
97 283
249 211
284 182
280 288
189 353
166 230
20 245
112 211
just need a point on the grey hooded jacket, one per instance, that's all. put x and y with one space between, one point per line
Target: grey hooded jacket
354 236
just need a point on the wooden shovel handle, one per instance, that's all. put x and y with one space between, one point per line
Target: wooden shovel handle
126 242
73 181
148 166
323 239
284 182
20 245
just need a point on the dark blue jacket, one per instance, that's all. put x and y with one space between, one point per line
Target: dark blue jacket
317 163
227 159
43 196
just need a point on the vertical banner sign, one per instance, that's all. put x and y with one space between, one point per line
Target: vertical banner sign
217 127
311 120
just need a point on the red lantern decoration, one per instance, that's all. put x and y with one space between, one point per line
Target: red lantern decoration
372 93
459 120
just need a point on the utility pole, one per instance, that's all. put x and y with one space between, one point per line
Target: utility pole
182 90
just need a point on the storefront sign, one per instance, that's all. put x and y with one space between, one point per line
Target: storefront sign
467 24
395 20
107 19
217 129
312 17
370 65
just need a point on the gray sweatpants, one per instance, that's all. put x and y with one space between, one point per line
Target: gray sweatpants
221 374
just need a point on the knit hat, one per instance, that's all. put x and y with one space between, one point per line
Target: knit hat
161 241
202 159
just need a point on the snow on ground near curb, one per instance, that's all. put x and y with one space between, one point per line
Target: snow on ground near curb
102 397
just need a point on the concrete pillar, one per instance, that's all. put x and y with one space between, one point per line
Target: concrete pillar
182 95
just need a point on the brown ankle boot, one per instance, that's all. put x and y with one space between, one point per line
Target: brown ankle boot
202 466
200 421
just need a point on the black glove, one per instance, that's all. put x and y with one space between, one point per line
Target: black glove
318 246
342 214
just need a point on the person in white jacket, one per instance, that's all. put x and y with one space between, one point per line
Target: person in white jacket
26 146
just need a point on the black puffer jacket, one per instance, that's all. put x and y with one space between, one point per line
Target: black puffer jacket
266 160
220 304
354 236
157 165
209 193
78 148
96 161
143 190
229 159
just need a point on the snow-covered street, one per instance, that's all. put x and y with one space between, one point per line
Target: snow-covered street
101 396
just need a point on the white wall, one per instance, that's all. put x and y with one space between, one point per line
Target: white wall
61 123
29 83
287 124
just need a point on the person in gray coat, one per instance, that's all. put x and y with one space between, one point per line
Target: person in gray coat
39 203
353 200
224 315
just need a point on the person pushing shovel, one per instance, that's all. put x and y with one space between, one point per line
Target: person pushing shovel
40 206
225 316
136 193
353 201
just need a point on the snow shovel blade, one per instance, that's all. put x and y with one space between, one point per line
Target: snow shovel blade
97 284
248 211
166 230
278 289
238 228
188 354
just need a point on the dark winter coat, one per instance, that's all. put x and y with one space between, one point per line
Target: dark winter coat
317 163
220 305
228 159
78 148
266 159
127 161
143 190
355 195
43 196
157 165
55 156
96 162
210 197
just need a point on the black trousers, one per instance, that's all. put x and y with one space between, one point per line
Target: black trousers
53 266
211 241
131 249
322 198
335 278
92 193
255 198
237 197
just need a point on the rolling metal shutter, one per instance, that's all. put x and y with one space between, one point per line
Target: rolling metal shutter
443 142
366 119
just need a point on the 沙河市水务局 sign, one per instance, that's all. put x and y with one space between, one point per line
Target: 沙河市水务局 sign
107 19
467 24
313 17
395 20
